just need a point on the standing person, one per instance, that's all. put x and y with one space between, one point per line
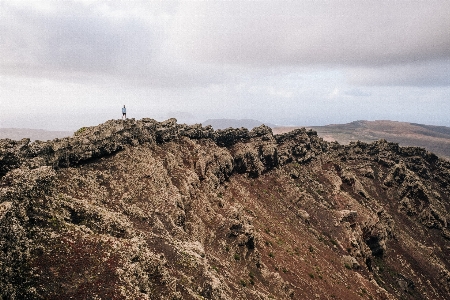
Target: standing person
124 112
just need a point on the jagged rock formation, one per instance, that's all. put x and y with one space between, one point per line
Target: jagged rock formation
148 210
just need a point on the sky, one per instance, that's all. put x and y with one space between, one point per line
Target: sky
65 64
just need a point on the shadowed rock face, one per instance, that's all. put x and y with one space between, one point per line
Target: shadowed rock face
160 210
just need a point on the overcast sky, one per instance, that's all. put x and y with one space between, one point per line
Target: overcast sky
68 64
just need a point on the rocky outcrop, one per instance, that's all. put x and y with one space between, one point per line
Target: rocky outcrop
159 210
99 141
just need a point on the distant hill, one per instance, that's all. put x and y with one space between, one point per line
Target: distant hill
32 134
433 138
234 123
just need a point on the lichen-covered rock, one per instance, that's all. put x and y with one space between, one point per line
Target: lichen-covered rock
247 160
140 209
350 262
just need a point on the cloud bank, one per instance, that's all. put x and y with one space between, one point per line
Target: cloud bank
186 43
75 39
358 33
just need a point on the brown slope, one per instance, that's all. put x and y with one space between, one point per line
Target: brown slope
148 210
433 138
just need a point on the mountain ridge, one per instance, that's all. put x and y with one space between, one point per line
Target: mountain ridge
158 210
434 138
235 123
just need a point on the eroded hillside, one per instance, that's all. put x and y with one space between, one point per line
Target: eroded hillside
147 210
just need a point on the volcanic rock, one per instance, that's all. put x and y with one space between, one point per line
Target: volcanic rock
140 209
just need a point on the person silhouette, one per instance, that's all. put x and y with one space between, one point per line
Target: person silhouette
124 112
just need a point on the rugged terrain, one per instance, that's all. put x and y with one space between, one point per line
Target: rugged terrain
148 210
434 138
234 123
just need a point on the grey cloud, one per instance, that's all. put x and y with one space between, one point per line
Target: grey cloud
356 93
76 41
315 32
433 73
68 38
379 39
192 43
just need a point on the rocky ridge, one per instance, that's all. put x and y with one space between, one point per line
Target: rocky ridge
159 210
